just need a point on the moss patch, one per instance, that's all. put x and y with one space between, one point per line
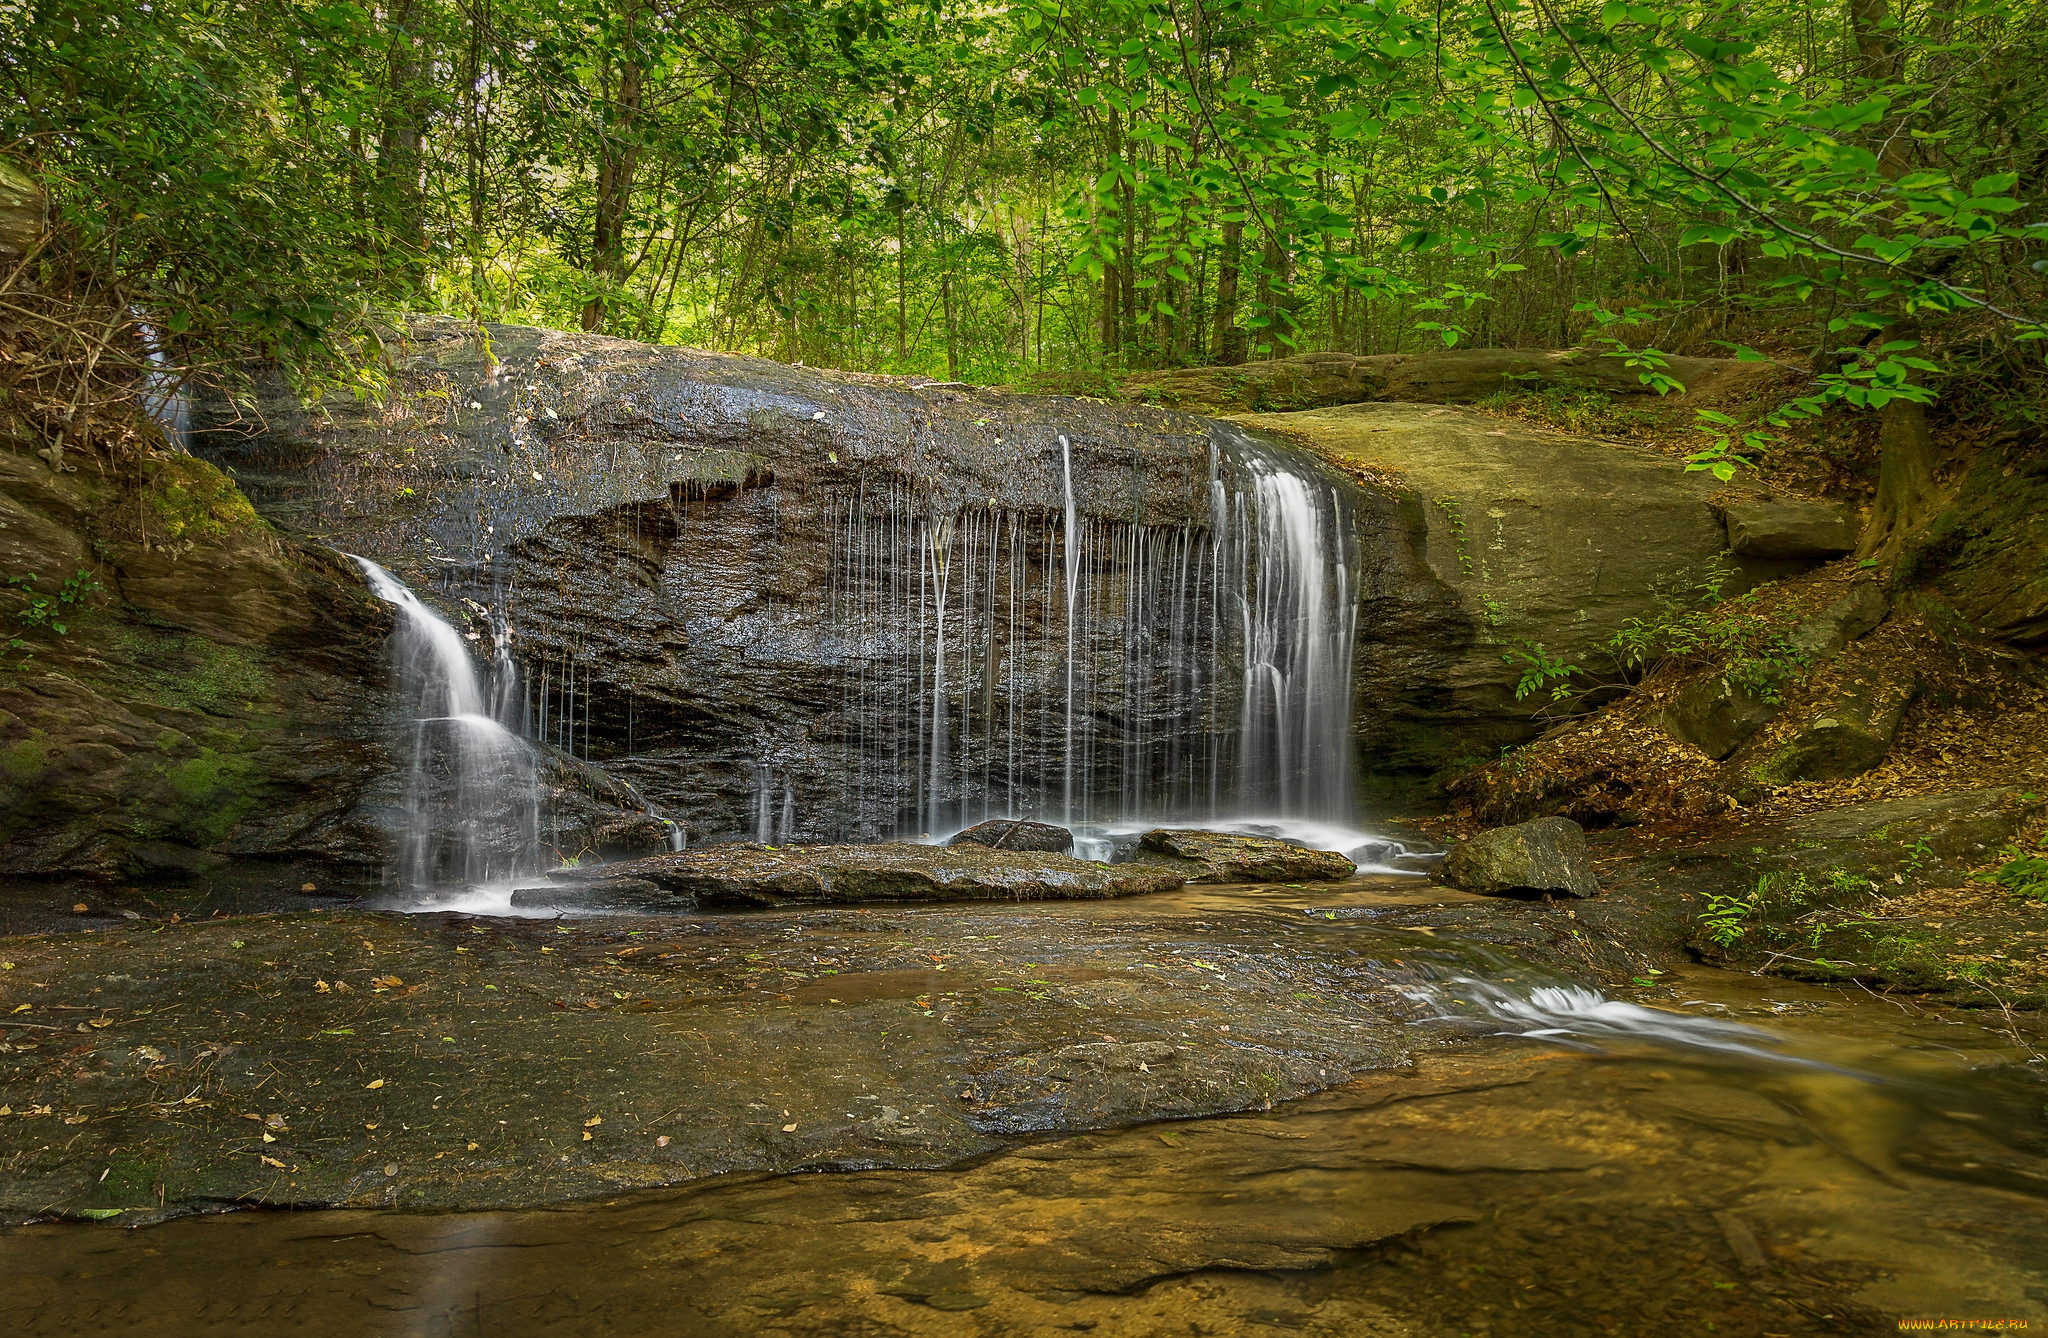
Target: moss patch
215 791
188 500
26 759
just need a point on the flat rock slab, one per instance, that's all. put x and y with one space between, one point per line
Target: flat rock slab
1225 857
449 1062
751 874
1781 527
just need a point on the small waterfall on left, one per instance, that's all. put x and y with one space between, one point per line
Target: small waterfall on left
472 796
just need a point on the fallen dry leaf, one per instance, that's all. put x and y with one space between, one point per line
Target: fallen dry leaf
386 982
322 987
272 1161
593 1121
373 1085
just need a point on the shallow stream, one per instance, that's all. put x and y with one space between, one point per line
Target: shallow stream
1722 1155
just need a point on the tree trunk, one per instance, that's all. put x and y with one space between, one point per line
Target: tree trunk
402 136
1228 341
1109 310
902 291
952 327
618 156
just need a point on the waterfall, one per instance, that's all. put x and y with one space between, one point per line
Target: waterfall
1073 561
1019 662
472 797
1299 629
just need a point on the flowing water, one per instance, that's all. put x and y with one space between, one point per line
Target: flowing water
1729 1157
1008 663
472 808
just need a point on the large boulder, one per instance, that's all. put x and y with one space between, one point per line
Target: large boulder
1789 528
724 576
1017 834
1226 857
751 874
205 690
1540 858
1988 551
791 605
1484 539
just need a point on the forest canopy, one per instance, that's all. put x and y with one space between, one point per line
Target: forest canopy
993 192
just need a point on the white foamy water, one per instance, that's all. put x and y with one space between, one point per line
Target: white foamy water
1574 1014
472 809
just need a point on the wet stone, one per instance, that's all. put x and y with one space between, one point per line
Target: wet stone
1224 857
1532 859
1017 834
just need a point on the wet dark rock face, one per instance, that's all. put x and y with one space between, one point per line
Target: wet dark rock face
734 583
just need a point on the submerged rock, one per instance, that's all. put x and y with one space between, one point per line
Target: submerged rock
1225 857
1017 834
604 1054
1535 858
752 874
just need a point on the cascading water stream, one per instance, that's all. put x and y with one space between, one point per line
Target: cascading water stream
1097 672
472 793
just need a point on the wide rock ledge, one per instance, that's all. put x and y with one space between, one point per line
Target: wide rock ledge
751 874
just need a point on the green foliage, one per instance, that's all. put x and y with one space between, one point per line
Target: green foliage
1575 409
1752 647
2024 873
993 192
1454 516
1725 917
53 613
1542 672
